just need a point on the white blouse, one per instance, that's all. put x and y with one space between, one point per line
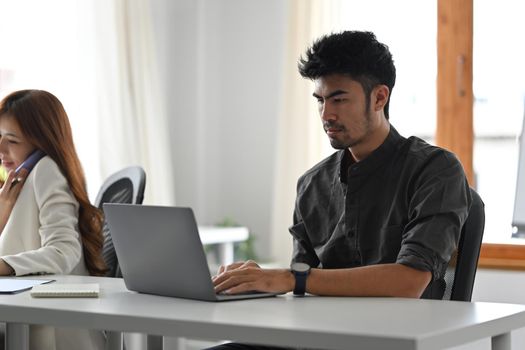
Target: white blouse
41 236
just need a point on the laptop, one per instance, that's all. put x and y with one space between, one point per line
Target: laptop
160 252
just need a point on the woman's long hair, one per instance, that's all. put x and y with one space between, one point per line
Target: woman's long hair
45 124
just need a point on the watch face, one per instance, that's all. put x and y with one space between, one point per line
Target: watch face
300 267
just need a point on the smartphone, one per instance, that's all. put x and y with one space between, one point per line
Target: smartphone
30 162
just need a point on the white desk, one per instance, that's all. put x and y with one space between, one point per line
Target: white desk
310 322
225 237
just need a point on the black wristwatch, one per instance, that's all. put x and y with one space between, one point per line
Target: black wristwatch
300 271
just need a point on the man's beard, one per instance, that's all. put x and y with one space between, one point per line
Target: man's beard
348 142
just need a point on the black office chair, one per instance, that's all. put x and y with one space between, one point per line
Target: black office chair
124 186
461 272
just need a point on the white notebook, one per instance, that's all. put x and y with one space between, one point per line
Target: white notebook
66 290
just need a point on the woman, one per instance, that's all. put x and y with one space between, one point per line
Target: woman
47 224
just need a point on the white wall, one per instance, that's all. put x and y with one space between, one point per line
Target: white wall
222 63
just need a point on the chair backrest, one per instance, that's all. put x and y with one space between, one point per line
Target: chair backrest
462 270
124 186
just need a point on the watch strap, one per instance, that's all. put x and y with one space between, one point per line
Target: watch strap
300 283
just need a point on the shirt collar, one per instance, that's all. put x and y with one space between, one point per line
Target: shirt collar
373 161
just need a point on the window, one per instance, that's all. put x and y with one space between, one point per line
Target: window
499 91
495 171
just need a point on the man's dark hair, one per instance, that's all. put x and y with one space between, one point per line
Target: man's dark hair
355 54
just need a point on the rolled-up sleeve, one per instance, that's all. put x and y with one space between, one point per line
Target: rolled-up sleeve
438 208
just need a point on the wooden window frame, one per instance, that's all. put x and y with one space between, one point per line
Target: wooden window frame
455 102
502 256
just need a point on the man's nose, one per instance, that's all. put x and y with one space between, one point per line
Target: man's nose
327 113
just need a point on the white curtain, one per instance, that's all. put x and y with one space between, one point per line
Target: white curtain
133 124
301 141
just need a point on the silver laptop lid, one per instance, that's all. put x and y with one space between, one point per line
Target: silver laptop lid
159 250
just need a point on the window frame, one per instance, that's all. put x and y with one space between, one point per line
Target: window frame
502 256
455 102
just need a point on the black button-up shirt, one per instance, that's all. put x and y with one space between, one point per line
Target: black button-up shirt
405 203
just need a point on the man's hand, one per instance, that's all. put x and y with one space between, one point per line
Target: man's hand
9 193
237 265
247 276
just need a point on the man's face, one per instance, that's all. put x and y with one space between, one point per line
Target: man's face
344 112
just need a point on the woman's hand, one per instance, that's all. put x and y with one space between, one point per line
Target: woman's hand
9 193
6 269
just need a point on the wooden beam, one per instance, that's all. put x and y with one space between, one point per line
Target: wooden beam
454 81
502 256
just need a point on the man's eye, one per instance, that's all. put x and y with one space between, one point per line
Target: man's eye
339 100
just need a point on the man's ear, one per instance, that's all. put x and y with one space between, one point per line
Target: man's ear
380 95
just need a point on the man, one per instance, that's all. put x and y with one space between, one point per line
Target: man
381 216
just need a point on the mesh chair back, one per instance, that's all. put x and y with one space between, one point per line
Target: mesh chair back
462 268
124 186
